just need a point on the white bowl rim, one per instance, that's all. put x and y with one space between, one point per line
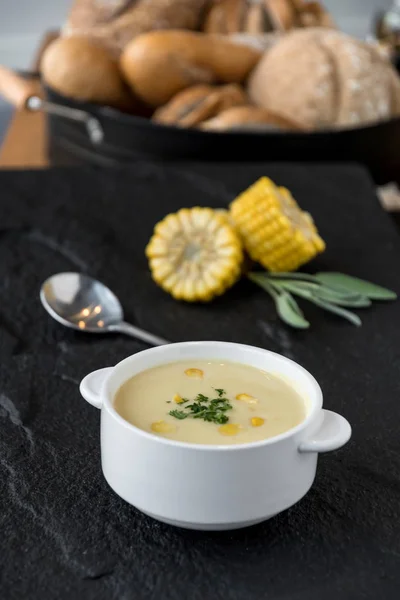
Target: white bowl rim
316 405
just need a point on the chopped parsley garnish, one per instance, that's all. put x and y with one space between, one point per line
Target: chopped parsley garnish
211 410
178 414
201 398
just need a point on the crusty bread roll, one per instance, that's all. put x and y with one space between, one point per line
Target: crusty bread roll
261 16
77 68
225 16
368 88
325 78
282 12
248 117
89 13
115 23
256 20
313 14
198 103
259 42
160 64
249 16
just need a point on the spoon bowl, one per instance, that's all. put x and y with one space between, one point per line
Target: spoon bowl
82 303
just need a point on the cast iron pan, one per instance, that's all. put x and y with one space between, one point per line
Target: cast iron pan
87 133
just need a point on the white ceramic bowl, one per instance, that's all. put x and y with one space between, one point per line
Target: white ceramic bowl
211 487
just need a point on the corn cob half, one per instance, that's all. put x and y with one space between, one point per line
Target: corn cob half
195 254
274 230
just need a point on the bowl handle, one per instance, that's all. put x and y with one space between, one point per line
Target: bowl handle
333 433
91 386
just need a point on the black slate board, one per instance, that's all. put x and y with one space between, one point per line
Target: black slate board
63 533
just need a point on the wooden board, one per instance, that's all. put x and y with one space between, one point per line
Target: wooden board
26 139
25 142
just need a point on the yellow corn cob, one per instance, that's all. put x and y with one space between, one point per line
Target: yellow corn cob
195 254
274 230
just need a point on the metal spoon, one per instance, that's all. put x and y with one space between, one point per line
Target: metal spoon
82 303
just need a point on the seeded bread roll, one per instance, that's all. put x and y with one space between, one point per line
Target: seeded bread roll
160 64
325 79
114 24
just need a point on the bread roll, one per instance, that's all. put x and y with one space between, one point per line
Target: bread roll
89 13
282 13
78 69
225 16
259 42
198 103
248 117
257 21
160 64
369 87
249 16
313 14
325 78
261 16
114 23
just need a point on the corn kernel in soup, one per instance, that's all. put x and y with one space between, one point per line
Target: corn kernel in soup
210 402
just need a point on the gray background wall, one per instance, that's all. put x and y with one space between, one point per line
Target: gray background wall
22 23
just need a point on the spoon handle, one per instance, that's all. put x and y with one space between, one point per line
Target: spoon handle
139 334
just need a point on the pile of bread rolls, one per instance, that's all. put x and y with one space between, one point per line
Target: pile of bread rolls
221 65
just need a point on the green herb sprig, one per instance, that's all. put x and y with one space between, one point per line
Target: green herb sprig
212 410
333 292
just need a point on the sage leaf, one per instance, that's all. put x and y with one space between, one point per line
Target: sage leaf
262 281
331 295
294 275
296 307
296 288
286 306
305 285
290 312
337 310
359 286
307 290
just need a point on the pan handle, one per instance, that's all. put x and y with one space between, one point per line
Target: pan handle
23 95
15 89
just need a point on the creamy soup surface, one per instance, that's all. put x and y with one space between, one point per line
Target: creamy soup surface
212 402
